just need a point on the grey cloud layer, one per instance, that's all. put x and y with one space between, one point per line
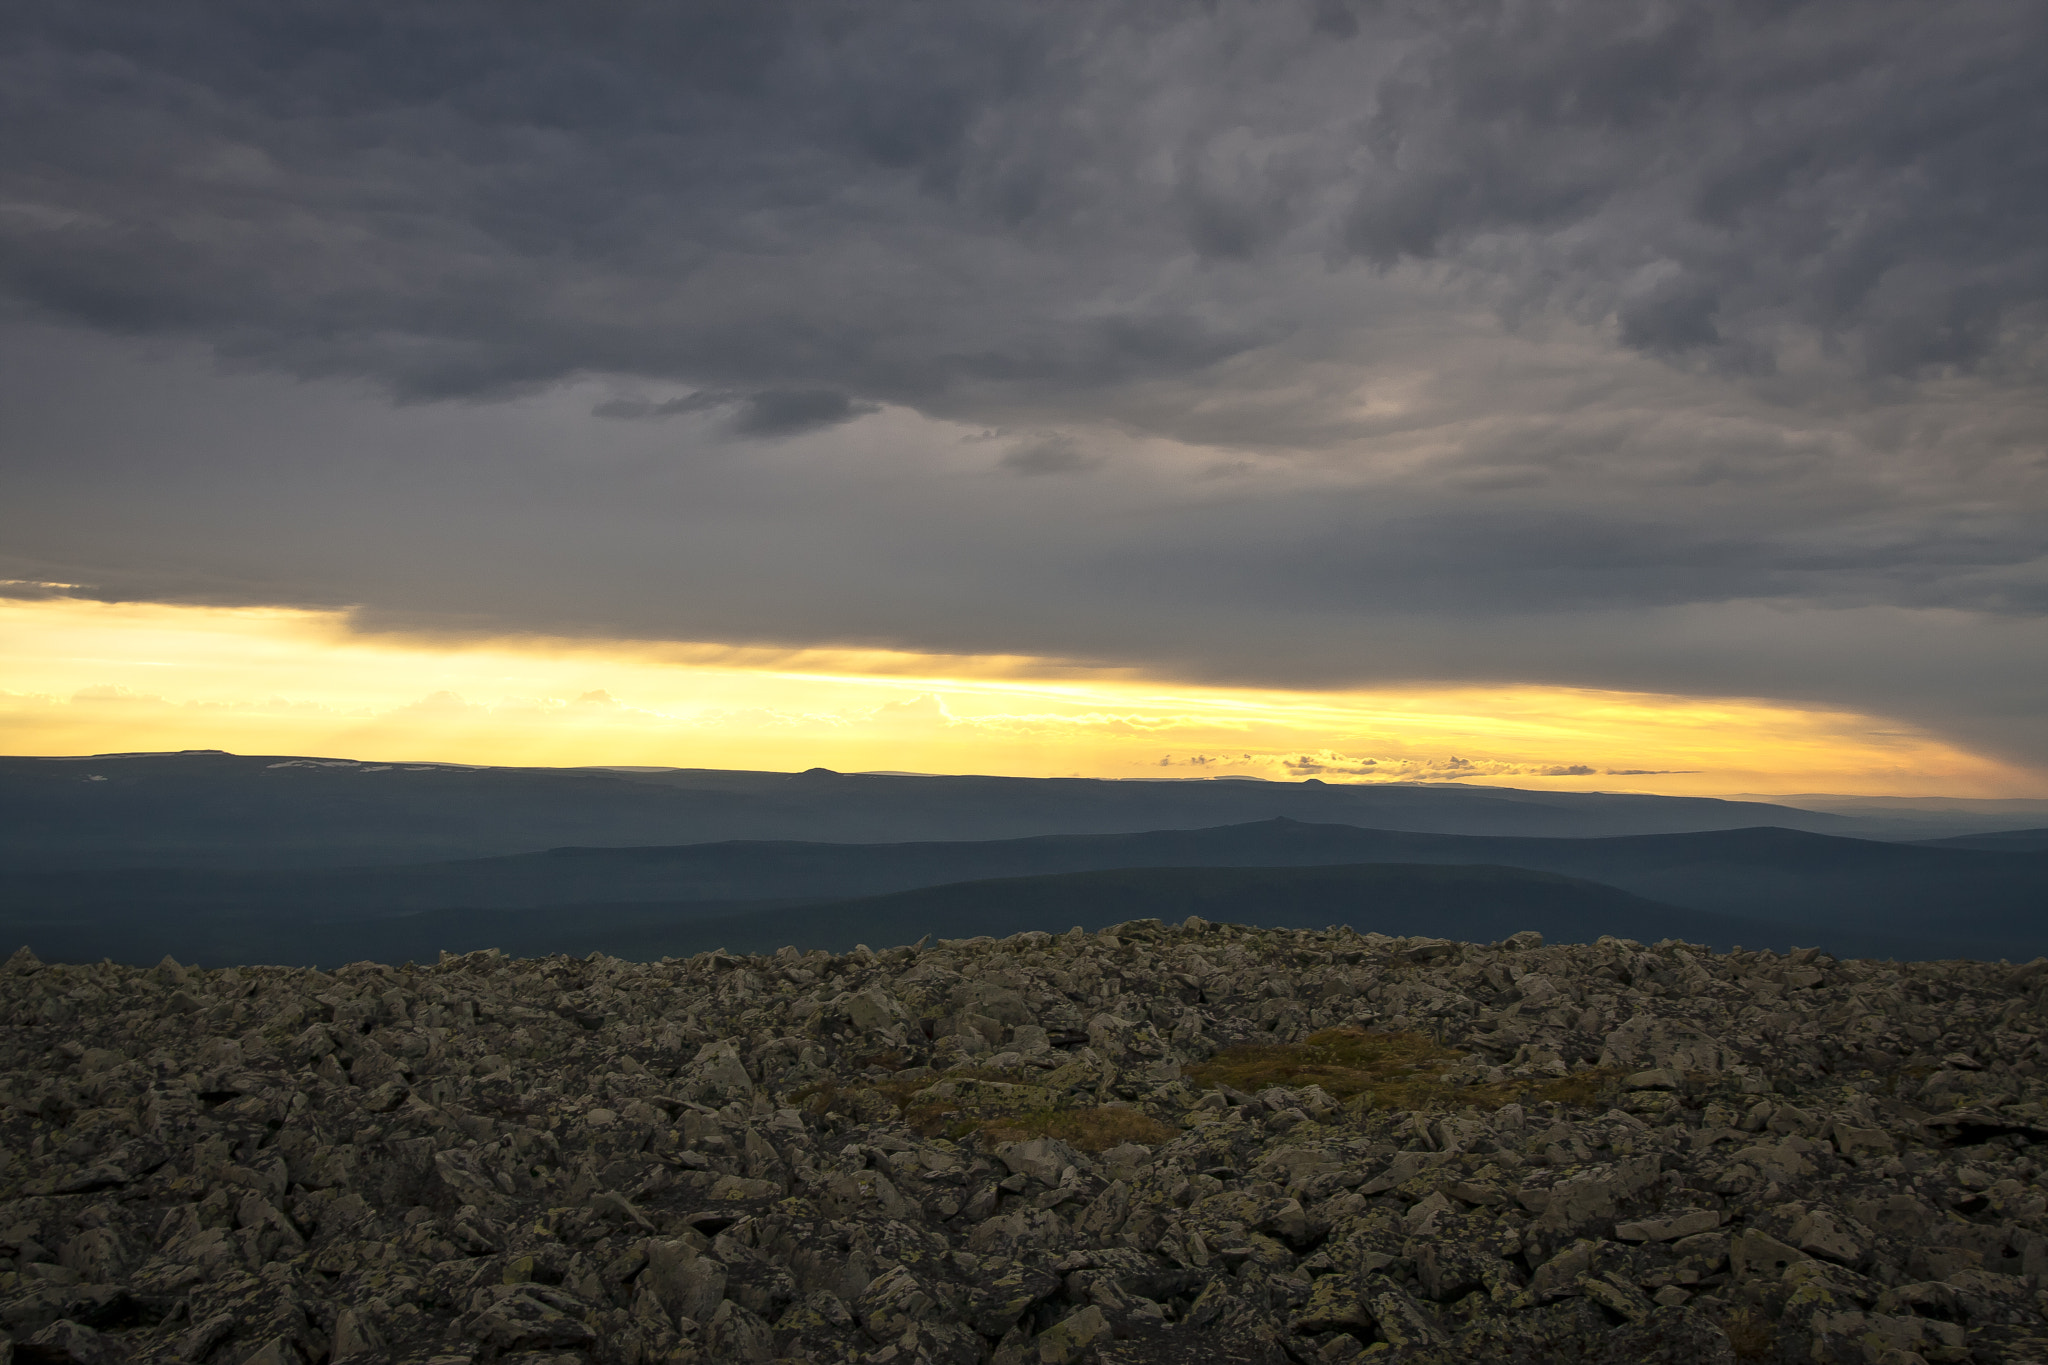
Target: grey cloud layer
923 203
1534 341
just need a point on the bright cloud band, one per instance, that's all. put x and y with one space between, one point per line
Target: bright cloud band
84 677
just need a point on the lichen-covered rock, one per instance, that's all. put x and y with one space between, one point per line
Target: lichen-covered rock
1003 1293
527 1317
1066 1339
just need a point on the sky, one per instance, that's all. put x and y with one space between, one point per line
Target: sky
1538 393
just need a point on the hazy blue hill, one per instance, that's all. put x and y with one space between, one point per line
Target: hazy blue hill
1473 903
736 870
1766 873
231 811
1764 887
1915 897
249 843
2001 841
1918 818
758 869
215 938
1446 900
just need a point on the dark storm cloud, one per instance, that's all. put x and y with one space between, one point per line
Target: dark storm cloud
785 412
1531 341
1713 174
769 413
910 203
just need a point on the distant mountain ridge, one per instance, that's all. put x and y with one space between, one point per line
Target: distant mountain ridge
222 857
234 811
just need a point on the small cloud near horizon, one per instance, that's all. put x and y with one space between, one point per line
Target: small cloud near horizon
1053 452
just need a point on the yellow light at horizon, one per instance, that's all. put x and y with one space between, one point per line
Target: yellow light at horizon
91 677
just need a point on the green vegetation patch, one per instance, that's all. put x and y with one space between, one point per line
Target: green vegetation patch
1095 1128
1750 1333
992 1105
1392 1069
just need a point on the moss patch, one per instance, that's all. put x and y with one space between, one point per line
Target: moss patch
1093 1129
1751 1334
1395 1070
995 1106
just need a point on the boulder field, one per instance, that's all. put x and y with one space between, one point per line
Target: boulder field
1189 1143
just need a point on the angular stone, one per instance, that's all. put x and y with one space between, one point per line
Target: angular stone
1563 1273
1042 1159
1863 1143
1584 1201
872 1010
356 1338
1066 1339
892 1302
1448 1268
1105 1213
1401 1321
1819 1233
996 1303
736 1334
717 1076
527 1317
276 1351
65 1340
687 1283
1336 1303
1657 1078
1618 1296
1669 1227
1753 1253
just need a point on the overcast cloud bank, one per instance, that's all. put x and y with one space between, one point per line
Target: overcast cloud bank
1299 344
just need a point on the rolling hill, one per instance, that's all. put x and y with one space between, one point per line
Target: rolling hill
1765 872
1916 899
1458 901
2001 841
1475 903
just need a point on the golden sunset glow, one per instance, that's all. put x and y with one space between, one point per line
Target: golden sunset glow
89 677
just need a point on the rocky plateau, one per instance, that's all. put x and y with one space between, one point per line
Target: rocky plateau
1185 1143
